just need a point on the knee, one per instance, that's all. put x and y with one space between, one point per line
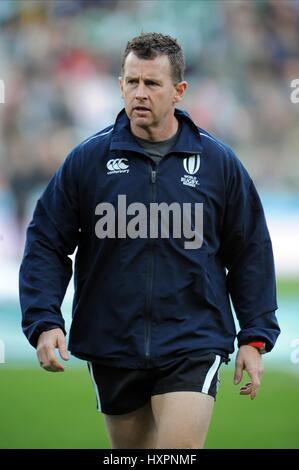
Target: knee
178 444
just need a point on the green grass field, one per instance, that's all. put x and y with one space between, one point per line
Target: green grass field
46 410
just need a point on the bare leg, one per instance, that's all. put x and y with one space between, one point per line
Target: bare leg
135 430
182 419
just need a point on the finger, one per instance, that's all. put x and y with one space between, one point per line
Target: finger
255 381
238 372
52 364
48 360
51 367
41 357
245 392
249 384
62 348
246 389
254 391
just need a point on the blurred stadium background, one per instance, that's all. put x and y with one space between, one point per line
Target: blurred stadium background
59 63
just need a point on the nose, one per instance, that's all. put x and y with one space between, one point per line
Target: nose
140 92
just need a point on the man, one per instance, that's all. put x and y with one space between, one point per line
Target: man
151 311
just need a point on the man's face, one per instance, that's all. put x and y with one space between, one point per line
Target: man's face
148 91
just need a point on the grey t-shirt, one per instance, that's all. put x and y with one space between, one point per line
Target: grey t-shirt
157 150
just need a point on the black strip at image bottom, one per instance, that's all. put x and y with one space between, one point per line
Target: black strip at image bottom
136 457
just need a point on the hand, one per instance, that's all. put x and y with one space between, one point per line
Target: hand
249 359
46 344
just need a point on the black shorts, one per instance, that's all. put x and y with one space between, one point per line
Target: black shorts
120 390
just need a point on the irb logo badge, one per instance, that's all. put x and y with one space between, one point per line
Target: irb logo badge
191 166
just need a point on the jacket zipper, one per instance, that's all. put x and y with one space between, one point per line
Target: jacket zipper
150 273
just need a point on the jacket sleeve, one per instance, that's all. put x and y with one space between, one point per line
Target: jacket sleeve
247 254
46 267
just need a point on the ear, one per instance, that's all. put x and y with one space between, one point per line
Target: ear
180 89
121 86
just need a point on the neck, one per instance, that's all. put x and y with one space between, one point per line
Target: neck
156 134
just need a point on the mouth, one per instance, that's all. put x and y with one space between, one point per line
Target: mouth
141 109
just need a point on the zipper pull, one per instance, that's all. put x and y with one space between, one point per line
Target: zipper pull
153 176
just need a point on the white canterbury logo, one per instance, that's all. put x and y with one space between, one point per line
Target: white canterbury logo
192 164
118 165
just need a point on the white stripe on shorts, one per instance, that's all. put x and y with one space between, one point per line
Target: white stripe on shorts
95 386
218 382
210 375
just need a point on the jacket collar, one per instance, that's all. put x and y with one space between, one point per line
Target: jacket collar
189 140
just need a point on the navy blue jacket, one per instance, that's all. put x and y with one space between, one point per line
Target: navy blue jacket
143 302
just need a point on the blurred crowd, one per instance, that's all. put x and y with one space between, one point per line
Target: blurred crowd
60 62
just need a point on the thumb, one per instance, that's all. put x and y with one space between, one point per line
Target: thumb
62 348
238 373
